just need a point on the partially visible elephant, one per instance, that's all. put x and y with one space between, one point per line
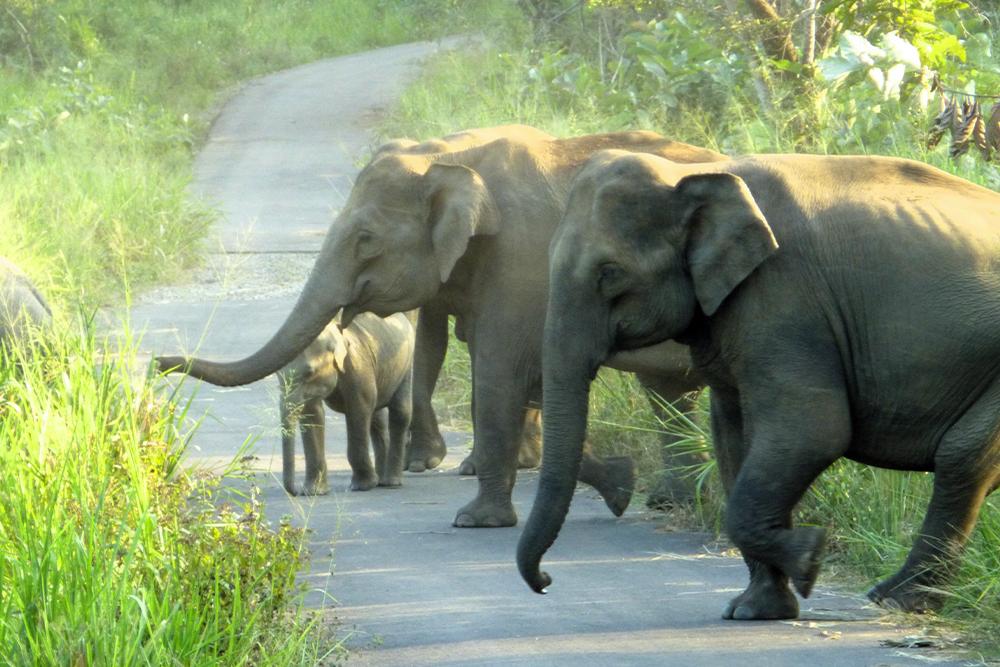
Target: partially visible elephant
363 371
837 306
22 306
461 233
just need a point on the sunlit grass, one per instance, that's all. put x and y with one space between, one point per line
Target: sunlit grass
111 552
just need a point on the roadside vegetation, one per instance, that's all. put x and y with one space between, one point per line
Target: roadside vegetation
855 76
112 551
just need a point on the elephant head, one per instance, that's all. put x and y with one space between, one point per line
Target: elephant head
405 226
646 246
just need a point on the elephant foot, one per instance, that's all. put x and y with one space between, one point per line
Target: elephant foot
391 481
805 546
364 482
425 453
764 599
467 466
483 513
902 593
317 487
618 483
671 490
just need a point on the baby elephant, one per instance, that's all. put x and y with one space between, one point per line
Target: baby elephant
363 371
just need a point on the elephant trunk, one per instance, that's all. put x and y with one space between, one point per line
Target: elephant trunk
566 391
312 312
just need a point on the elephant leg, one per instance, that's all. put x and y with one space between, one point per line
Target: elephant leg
314 446
676 484
799 428
966 470
499 401
529 453
768 596
427 448
289 432
379 433
399 426
359 424
613 477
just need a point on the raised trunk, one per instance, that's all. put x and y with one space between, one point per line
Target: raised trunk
566 391
317 305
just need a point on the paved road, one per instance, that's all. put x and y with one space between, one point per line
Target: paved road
407 587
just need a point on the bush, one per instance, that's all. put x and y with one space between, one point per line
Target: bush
110 551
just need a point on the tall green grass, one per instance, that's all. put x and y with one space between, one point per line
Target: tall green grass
103 103
111 552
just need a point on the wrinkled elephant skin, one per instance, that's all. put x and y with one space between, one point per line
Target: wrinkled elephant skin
363 371
836 306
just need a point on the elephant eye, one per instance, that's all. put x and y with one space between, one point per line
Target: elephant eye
611 280
368 245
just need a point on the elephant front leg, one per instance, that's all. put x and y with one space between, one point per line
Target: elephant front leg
498 402
289 432
799 427
427 448
314 446
768 596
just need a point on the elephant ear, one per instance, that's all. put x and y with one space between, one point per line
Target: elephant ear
460 206
729 235
340 347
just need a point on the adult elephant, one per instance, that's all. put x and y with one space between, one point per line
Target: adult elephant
460 232
22 306
837 306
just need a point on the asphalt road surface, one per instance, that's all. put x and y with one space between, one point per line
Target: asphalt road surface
405 586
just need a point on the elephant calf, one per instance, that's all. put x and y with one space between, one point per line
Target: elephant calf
364 371
21 305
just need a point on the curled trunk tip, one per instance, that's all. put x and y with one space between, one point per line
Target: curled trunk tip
527 564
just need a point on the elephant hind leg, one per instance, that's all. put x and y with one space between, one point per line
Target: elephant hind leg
400 413
966 470
379 432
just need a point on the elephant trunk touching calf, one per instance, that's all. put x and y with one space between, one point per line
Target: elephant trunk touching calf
457 227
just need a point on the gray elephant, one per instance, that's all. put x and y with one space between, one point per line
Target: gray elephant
363 371
837 306
461 233
22 306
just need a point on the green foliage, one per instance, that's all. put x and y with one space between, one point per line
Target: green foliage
110 551
101 104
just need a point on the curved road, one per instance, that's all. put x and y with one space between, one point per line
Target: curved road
387 565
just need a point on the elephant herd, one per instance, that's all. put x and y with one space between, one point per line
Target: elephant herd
836 307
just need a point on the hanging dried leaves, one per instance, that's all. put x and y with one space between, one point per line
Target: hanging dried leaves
991 131
968 125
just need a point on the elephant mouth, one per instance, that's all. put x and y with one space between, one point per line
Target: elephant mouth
357 305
